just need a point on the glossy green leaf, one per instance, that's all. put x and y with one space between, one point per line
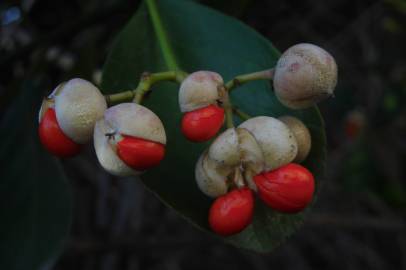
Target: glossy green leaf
203 39
35 210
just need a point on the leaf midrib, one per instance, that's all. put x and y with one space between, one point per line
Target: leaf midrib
163 41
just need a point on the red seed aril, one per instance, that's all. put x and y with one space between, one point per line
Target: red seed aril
140 154
202 124
53 139
288 189
232 212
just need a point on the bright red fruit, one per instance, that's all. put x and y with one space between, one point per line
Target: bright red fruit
53 138
140 154
232 212
202 124
287 189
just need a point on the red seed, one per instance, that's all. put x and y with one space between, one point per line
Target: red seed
53 138
202 124
232 212
140 154
289 188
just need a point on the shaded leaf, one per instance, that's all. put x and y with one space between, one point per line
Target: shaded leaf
35 211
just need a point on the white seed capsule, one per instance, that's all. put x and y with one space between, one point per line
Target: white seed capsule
128 119
199 90
275 139
259 144
78 105
235 151
225 149
210 179
135 120
304 75
106 152
302 135
252 158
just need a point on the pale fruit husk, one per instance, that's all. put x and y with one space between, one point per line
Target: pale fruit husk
233 153
237 146
211 180
302 135
251 156
129 119
225 149
275 139
106 152
199 90
259 144
304 75
135 120
78 105
49 102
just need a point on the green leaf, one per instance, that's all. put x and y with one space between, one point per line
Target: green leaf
203 39
35 210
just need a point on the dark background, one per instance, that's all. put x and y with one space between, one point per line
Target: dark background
359 219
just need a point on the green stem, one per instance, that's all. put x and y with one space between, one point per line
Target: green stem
241 114
161 35
244 78
148 79
228 107
119 97
229 118
237 81
145 84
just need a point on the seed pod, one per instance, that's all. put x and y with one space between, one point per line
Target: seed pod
251 155
68 115
275 139
199 90
129 139
78 105
259 144
211 179
233 152
235 147
198 97
304 75
106 151
217 164
302 135
225 149
53 139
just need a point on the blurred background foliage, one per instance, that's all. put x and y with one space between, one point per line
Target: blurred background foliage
359 219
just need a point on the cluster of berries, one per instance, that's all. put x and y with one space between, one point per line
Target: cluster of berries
256 156
260 155
128 138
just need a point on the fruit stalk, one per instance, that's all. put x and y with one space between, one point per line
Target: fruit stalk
243 115
266 74
145 84
237 81
148 79
227 106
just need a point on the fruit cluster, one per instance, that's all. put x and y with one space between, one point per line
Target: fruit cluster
259 156
76 111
